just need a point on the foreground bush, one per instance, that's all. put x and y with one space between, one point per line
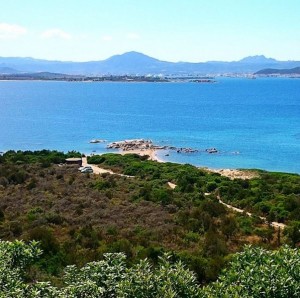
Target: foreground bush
252 273
107 278
260 273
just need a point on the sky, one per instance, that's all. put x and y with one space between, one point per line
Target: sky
170 30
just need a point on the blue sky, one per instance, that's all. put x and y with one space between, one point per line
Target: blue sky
172 30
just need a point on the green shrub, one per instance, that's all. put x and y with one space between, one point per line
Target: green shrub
259 273
107 278
95 159
254 273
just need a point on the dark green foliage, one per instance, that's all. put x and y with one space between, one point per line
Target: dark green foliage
54 218
214 244
293 232
34 213
95 159
229 227
213 208
53 260
274 195
13 164
45 157
45 236
101 184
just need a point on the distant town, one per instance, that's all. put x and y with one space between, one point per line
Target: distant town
138 78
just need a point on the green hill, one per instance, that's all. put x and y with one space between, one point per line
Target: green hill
269 71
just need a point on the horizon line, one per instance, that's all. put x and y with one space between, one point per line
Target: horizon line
128 52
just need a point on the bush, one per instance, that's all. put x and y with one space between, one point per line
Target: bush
107 278
95 159
44 157
48 242
259 273
254 273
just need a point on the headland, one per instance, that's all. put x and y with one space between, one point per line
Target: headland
144 147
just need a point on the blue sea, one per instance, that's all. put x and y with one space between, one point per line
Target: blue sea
253 123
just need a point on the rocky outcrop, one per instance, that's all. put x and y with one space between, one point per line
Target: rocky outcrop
211 150
186 150
96 141
130 145
142 144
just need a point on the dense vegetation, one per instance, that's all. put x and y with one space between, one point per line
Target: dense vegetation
44 157
253 273
275 195
79 217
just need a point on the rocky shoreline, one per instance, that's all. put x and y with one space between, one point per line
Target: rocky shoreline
142 144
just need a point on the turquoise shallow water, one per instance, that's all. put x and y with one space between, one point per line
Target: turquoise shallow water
259 119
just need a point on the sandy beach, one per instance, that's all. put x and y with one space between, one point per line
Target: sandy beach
230 173
150 152
235 174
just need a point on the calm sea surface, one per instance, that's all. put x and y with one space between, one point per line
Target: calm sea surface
254 123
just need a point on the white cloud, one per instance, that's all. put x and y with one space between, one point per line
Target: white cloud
8 31
133 36
107 38
55 33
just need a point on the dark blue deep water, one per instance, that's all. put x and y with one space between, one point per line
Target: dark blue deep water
254 123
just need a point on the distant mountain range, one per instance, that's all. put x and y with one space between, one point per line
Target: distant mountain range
270 71
137 63
8 70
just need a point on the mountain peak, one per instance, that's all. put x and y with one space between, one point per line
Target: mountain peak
133 56
257 59
133 53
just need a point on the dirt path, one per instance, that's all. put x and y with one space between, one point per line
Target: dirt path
97 170
273 223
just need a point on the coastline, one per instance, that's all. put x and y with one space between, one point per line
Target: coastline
229 173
